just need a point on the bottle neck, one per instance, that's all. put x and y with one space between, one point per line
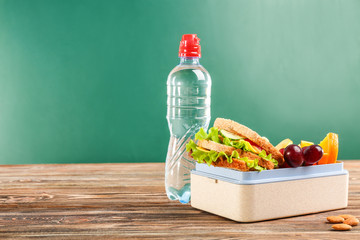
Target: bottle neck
189 60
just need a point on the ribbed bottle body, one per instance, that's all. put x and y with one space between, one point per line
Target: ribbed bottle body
188 109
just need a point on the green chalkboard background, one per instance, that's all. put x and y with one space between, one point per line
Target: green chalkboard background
85 81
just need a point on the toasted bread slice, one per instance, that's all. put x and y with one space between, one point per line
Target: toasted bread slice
241 130
266 164
249 155
216 146
262 162
237 163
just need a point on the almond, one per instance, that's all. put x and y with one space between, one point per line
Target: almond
352 221
341 227
335 219
346 216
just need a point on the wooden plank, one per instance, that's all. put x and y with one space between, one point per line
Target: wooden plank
128 201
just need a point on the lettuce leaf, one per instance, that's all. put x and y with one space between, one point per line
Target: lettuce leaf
239 144
259 168
204 156
263 155
234 154
250 163
253 165
213 135
190 146
201 135
208 157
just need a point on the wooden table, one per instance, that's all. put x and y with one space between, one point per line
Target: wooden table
128 201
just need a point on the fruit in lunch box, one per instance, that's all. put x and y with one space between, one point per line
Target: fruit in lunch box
312 154
305 143
285 165
283 144
293 155
282 151
303 148
330 145
324 159
296 156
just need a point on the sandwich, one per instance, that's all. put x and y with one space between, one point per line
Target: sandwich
232 145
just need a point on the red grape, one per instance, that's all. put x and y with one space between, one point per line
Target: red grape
307 164
293 155
313 154
284 165
282 151
303 149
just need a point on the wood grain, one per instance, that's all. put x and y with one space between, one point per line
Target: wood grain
128 201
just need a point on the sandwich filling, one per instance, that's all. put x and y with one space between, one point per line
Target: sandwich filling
209 156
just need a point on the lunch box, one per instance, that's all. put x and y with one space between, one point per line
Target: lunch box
270 194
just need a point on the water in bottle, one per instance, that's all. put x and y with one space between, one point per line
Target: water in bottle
188 109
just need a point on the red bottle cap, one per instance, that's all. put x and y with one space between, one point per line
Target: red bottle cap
190 46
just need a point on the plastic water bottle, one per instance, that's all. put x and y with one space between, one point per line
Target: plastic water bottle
188 109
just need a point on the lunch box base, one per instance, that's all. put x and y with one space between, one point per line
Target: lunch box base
257 202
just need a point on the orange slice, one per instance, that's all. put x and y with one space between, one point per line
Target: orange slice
324 159
330 145
283 144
